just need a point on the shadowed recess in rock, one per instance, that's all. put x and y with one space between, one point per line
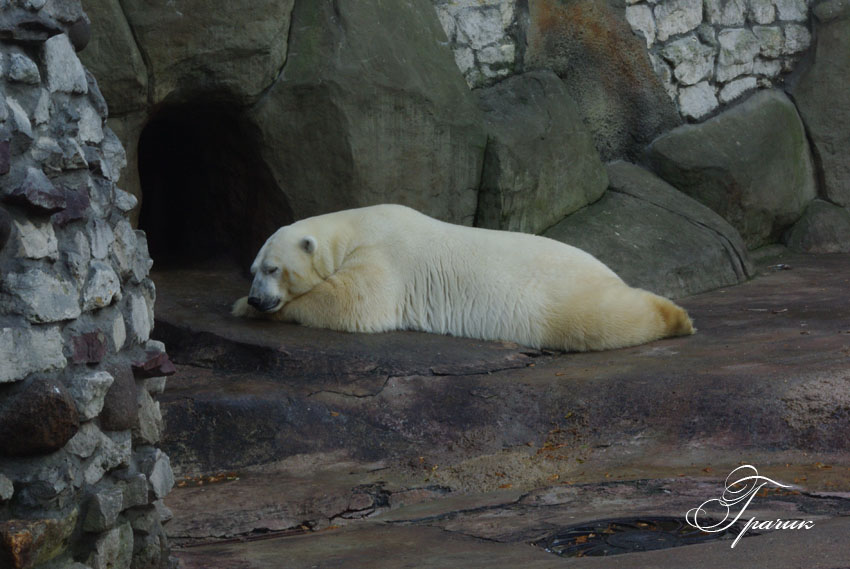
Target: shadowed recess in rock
208 197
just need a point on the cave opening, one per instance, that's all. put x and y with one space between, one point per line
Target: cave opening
208 198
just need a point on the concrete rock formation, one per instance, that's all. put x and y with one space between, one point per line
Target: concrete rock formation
823 99
750 164
540 163
656 237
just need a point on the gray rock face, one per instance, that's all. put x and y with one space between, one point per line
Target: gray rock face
135 490
156 465
36 240
608 71
103 510
353 121
824 228
677 16
205 46
27 350
751 164
7 489
149 429
89 391
738 49
43 297
113 549
541 163
64 71
821 94
102 286
656 237
23 69
86 441
114 58
692 60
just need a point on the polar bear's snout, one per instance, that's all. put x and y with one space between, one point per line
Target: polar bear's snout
267 305
263 296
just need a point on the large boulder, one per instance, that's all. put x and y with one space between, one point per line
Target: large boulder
820 91
751 164
824 228
114 58
372 108
540 164
196 47
656 237
606 68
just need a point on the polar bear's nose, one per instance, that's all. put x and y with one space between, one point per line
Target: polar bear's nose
255 302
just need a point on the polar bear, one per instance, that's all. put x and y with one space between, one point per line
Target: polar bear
389 267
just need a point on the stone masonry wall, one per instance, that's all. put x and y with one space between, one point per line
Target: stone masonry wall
710 53
706 52
81 479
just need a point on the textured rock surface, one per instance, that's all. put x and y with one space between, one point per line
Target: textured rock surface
37 417
541 163
202 46
120 410
754 43
114 57
28 543
483 35
75 303
607 72
352 122
821 95
824 228
750 164
27 350
656 237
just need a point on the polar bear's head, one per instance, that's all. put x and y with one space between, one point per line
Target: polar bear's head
283 269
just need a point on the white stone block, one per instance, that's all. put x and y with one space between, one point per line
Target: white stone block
692 60
726 12
36 240
698 100
792 10
771 40
797 38
736 88
677 17
642 21
762 11
89 391
102 286
65 73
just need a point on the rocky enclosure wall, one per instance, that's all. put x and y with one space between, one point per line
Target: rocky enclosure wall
707 53
81 478
331 105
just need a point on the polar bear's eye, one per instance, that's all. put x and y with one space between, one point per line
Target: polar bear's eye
270 270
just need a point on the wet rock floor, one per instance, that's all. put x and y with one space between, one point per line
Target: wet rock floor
308 448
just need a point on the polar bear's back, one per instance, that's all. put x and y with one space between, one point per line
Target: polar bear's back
475 282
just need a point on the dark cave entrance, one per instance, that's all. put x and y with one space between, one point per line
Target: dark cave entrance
208 198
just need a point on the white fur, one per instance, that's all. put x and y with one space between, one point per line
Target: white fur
389 267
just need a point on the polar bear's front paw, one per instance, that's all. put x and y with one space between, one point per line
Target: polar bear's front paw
242 309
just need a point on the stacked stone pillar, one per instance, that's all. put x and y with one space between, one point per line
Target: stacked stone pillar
81 479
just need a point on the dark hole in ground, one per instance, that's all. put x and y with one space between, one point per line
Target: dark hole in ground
208 198
630 535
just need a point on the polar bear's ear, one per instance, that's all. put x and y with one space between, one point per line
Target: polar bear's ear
308 244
